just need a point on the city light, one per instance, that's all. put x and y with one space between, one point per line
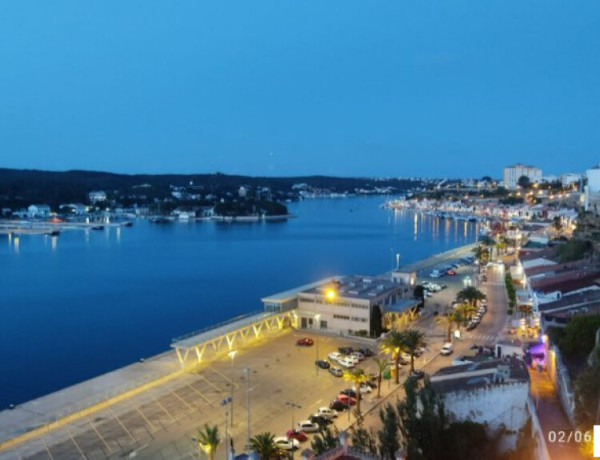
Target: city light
330 293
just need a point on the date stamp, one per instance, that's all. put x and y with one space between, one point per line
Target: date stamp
567 436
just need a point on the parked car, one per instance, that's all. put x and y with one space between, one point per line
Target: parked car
347 362
472 325
345 350
297 435
338 405
346 400
358 355
334 356
349 392
307 426
306 342
286 444
417 374
451 272
364 388
322 364
320 420
336 371
447 349
367 352
326 412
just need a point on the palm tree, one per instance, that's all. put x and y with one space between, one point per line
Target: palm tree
208 440
264 445
392 344
466 310
382 365
448 319
471 295
482 255
357 376
413 339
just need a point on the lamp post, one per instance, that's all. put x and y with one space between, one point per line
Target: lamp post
225 402
317 320
232 354
293 405
247 372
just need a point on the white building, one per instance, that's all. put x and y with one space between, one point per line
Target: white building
569 178
97 196
514 172
38 210
593 179
492 392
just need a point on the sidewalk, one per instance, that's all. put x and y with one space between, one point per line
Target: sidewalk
552 418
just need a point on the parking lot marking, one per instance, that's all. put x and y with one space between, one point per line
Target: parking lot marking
100 436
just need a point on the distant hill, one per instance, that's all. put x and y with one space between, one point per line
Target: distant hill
19 188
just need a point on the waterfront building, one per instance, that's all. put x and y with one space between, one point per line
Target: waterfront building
77 209
513 173
493 392
38 210
569 178
97 196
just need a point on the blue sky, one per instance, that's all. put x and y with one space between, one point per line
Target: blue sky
387 88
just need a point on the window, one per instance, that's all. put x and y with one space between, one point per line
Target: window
323 324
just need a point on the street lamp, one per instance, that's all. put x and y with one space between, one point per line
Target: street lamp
232 354
247 372
293 405
225 402
317 320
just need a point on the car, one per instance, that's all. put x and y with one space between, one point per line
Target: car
345 350
447 349
326 412
417 374
451 272
363 388
358 355
401 361
435 274
320 420
338 405
305 342
295 434
322 364
372 384
471 326
367 352
348 400
347 362
349 392
334 356
286 444
336 371
307 426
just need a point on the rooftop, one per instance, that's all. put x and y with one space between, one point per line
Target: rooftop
567 281
583 299
356 287
467 377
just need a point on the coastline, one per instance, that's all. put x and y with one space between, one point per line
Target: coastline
40 415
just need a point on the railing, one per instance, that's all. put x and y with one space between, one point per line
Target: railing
215 326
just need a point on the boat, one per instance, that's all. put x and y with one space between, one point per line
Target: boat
53 233
160 220
127 224
98 227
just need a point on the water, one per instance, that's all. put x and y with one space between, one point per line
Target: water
81 304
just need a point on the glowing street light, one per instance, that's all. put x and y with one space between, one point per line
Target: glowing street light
231 355
330 293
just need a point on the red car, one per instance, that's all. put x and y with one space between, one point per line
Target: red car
348 400
306 342
451 272
295 434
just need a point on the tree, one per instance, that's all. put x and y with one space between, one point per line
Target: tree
264 445
482 255
382 365
209 440
448 319
364 439
392 344
357 376
325 440
579 336
524 182
471 295
388 436
466 311
587 394
419 293
557 223
413 340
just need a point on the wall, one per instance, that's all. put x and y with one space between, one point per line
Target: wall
560 377
497 405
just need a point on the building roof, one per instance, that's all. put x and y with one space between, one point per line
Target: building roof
552 268
567 302
356 287
467 377
402 305
293 293
567 281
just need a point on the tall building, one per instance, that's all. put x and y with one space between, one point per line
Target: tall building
514 172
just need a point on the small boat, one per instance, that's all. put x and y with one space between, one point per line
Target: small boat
127 224
161 220
54 233
98 227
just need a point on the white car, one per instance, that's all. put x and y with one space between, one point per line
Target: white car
326 412
307 426
334 356
447 349
347 362
286 444
364 388
358 355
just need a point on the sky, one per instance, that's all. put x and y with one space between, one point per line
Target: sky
347 88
